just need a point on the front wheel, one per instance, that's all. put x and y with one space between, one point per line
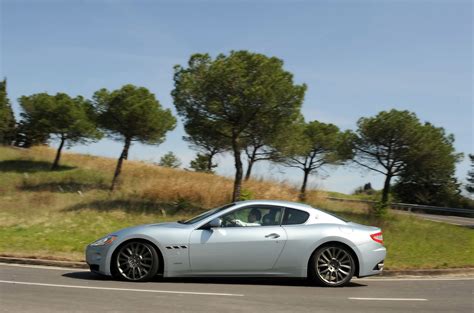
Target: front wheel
332 266
136 261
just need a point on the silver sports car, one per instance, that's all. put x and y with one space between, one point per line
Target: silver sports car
248 238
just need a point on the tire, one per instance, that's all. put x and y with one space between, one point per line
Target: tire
135 261
332 265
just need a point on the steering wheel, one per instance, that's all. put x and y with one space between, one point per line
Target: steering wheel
228 221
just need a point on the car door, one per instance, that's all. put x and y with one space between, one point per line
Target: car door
248 246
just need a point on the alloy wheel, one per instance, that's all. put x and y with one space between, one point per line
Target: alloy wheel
135 261
334 266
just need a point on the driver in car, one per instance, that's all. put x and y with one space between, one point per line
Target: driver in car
253 219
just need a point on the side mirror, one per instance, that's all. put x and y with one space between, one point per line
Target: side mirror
217 222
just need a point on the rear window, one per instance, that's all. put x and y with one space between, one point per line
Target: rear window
334 215
294 217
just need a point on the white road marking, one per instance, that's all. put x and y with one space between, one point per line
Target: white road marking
388 299
414 279
123 289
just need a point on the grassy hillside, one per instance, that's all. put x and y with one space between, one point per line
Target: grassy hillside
56 213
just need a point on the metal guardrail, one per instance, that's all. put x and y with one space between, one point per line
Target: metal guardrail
409 207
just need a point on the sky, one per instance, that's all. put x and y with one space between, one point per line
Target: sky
357 58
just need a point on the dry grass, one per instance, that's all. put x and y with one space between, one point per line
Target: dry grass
156 183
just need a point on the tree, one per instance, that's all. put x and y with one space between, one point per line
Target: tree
365 189
132 114
393 143
227 94
27 135
315 145
257 150
383 143
170 160
470 176
203 163
7 118
428 176
207 142
263 138
70 120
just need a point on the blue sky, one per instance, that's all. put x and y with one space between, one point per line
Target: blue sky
357 58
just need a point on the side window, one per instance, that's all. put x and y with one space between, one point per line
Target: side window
272 216
253 216
293 217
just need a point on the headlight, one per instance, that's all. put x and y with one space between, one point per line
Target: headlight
104 241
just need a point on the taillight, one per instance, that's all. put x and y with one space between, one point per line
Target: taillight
377 237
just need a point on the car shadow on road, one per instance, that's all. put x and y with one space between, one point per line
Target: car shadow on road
86 276
264 281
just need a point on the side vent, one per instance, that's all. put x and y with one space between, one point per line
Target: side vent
176 247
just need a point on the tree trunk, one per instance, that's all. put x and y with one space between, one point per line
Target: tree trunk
58 155
251 161
209 162
118 169
125 157
249 170
302 195
238 170
380 208
386 189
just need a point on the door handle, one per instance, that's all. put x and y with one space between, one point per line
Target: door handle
272 235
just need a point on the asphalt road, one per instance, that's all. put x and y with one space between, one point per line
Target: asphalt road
46 289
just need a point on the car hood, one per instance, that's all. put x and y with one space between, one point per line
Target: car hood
144 227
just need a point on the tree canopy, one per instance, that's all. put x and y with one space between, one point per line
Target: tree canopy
132 114
470 176
207 142
230 93
7 118
428 176
396 144
170 160
203 163
315 145
69 120
266 139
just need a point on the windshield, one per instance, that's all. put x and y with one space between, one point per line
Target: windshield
206 214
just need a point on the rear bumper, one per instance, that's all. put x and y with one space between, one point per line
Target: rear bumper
372 259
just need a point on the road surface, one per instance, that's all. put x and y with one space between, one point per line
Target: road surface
45 289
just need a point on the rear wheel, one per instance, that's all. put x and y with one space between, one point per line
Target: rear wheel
136 261
332 266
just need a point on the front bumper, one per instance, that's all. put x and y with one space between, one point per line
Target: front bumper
97 257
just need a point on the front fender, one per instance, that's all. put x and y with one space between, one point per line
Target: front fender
117 243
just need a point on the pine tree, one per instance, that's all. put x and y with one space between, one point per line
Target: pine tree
470 176
7 118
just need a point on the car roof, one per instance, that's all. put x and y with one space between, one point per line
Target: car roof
276 202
